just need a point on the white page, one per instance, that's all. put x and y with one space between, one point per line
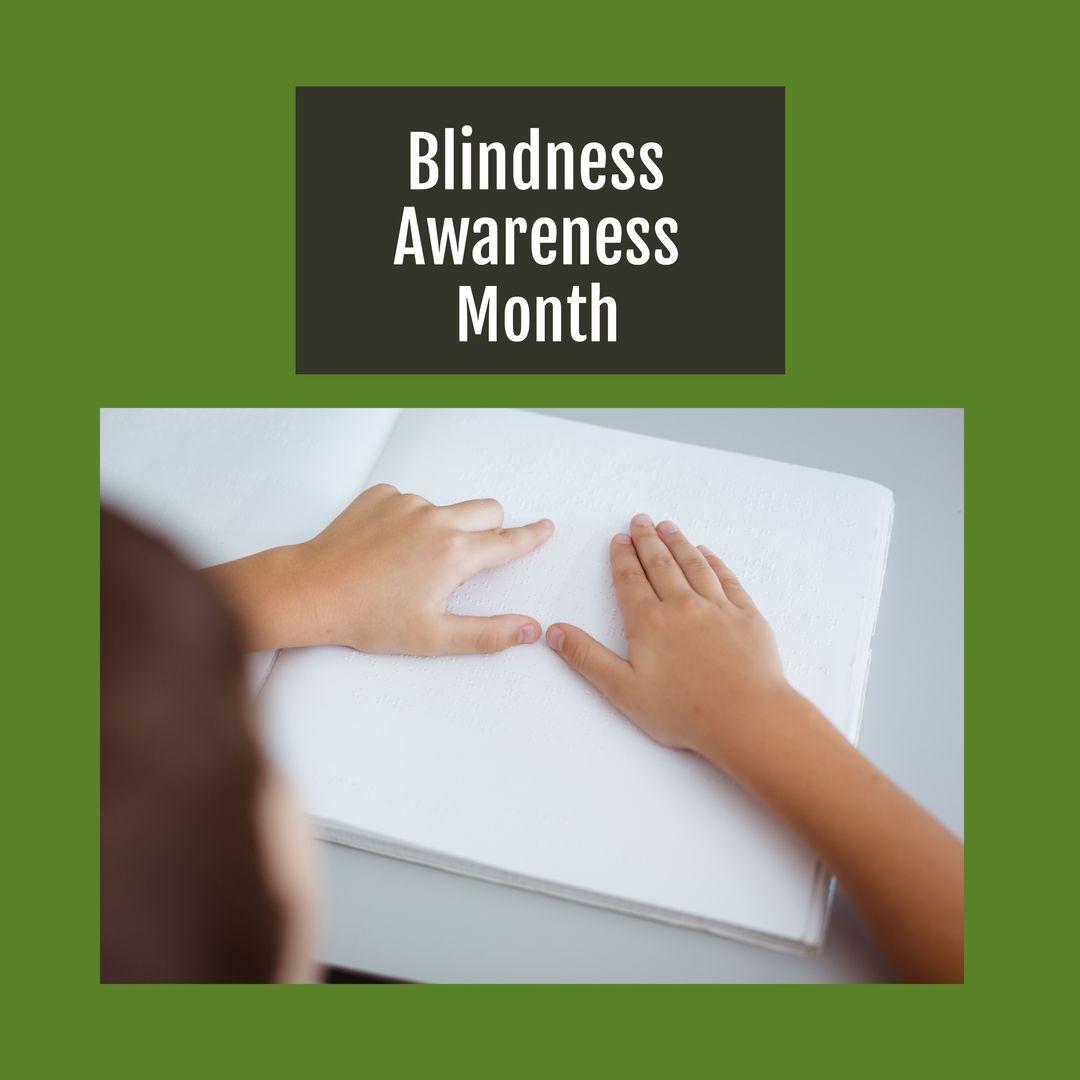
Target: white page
224 483
510 766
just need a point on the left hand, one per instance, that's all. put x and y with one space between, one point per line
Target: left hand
377 579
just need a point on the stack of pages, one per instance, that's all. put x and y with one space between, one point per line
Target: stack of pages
510 767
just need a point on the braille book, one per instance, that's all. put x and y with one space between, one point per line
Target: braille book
510 767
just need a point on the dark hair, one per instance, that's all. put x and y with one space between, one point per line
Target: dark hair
184 894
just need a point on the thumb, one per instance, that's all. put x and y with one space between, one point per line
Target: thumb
608 672
485 634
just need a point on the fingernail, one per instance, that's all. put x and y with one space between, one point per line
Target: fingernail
622 538
546 523
666 528
641 519
529 633
703 549
556 638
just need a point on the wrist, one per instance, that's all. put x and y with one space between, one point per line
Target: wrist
268 594
748 731
288 610
785 744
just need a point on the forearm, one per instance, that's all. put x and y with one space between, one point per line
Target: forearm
266 595
902 869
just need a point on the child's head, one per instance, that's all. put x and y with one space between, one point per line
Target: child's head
205 874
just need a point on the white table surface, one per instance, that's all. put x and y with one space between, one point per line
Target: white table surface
398 919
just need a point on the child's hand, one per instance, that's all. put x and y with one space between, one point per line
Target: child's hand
703 663
704 674
377 579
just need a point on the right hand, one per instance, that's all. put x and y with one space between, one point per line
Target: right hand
703 668
704 674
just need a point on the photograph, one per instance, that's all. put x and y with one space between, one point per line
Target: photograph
532 696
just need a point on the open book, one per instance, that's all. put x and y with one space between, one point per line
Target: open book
510 767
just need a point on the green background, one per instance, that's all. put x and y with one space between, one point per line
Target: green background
150 262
